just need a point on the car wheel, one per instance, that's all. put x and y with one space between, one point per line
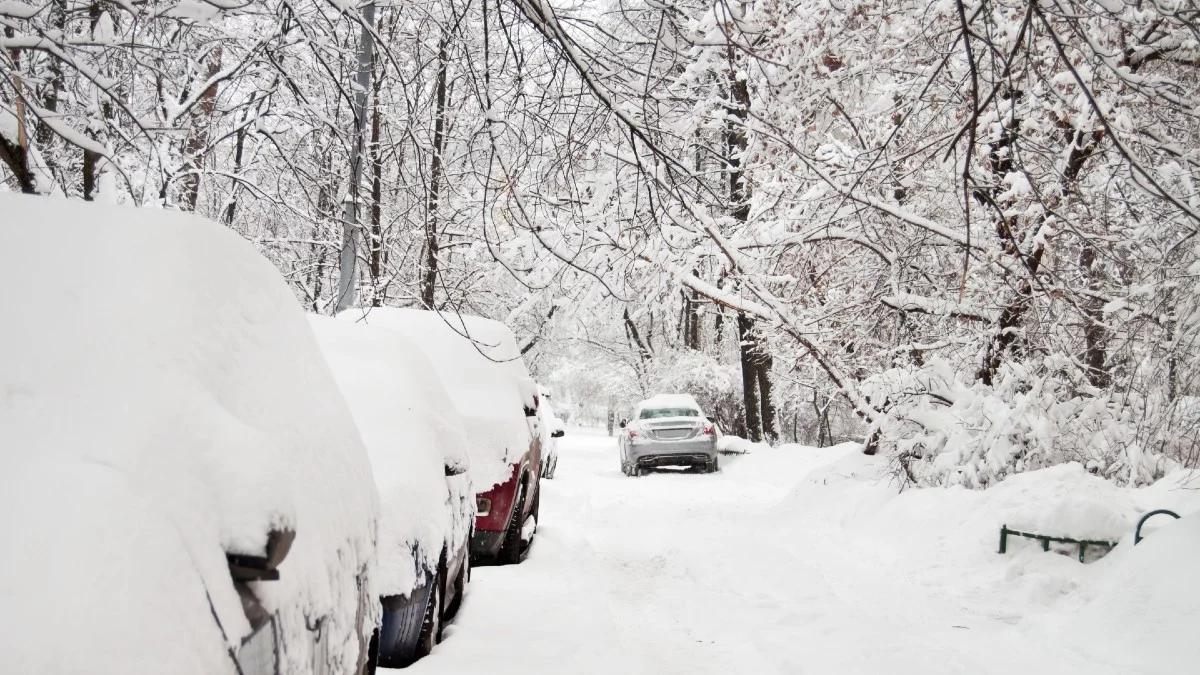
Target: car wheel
431 626
510 551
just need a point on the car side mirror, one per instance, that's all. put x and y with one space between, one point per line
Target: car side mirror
557 433
711 419
262 567
455 468
622 424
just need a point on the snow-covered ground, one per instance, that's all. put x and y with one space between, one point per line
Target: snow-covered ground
798 560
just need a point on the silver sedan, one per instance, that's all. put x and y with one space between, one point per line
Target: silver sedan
668 431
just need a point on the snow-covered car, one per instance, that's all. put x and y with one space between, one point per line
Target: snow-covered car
552 429
419 458
668 430
182 489
480 366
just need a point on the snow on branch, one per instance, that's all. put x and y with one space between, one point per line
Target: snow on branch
908 302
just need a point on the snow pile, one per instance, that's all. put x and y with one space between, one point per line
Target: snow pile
1146 607
162 402
736 445
412 433
480 366
942 428
1137 606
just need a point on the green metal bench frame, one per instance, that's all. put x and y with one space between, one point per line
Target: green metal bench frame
1082 543
1046 539
1137 537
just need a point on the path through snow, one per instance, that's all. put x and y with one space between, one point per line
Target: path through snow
725 573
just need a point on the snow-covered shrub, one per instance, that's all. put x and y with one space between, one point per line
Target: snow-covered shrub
942 428
715 385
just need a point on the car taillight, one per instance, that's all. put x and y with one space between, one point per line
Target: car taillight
710 430
633 434
483 506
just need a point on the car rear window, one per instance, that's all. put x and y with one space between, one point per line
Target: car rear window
651 413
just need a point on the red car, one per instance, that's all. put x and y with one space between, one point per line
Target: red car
481 369
506 515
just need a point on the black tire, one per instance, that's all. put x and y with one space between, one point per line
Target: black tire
431 626
510 551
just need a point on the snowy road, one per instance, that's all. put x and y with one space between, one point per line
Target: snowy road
689 573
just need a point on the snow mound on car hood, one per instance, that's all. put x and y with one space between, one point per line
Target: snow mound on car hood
479 364
162 402
411 432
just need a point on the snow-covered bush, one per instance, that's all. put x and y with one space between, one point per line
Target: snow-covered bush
715 385
942 428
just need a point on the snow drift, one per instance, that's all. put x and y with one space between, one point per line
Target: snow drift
162 402
1134 610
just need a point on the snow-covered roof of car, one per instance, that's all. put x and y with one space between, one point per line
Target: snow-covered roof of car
412 433
480 366
163 402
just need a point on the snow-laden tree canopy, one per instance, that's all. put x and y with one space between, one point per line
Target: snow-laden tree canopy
962 229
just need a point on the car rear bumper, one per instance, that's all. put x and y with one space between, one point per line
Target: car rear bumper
486 543
673 453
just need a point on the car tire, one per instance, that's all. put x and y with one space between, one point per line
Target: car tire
431 626
510 551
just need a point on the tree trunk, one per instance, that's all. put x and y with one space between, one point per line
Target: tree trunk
1082 146
429 278
15 151
197 141
50 97
348 260
692 318
238 153
376 265
756 382
750 387
1095 356
91 160
763 364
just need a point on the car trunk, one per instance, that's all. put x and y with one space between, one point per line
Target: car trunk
672 428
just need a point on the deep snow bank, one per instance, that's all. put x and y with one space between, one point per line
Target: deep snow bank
1137 608
162 402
